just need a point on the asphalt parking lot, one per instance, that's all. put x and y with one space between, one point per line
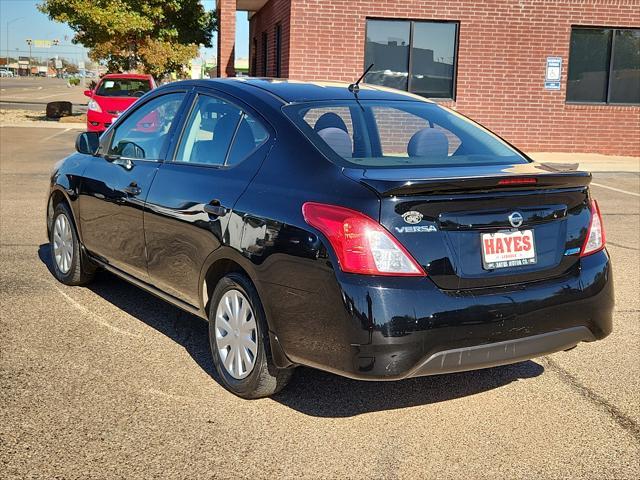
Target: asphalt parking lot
110 382
33 93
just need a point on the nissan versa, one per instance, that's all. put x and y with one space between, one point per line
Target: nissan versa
355 229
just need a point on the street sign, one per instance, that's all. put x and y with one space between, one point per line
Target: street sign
553 73
58 64
42 43
81 65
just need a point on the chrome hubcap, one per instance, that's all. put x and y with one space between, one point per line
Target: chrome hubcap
236 334
62 243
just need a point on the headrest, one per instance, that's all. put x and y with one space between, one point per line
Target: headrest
330 119
428 142
338 139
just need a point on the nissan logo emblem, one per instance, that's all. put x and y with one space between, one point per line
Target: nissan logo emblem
515 219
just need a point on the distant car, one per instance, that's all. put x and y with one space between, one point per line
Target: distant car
6 73
367 232
113 94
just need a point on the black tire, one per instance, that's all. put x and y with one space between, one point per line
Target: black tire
265 379
81 271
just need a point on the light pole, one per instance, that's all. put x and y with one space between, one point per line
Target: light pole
9 23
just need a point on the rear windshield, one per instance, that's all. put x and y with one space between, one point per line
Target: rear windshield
123 87
398 133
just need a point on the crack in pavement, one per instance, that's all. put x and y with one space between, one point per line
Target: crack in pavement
609 242
622 419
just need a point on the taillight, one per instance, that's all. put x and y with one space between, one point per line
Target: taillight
361 244
595 235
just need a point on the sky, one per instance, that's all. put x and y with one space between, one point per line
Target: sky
27 22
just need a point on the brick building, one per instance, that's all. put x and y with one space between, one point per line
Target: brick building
497 61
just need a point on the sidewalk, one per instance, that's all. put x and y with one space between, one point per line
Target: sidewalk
592 162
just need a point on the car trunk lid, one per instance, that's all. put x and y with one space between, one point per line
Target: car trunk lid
444 215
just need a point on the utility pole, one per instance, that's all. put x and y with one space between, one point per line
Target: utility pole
29 42
9 23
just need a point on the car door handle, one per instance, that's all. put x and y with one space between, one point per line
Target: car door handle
214 208
133 189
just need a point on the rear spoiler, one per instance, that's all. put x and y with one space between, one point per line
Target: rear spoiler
386 186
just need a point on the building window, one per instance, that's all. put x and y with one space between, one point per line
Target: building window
416 56
254 57
265 53
604 66
278 50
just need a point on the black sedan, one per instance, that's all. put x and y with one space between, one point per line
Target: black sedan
355 229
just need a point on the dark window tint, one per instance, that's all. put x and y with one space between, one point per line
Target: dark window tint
278 50
265 52
387 48
409 55
209 132
144 132
250 135
604 66
433 59
115 87
589 65
254 58
625 69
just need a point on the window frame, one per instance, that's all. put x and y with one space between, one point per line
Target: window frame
278 46
265 53
186 115
611 56
412 22
106 140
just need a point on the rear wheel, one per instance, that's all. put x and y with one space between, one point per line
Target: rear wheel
239 340
70 265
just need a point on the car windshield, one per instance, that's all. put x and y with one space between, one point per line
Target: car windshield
383 134
123 87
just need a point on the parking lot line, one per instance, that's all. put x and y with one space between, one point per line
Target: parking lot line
54 135
615 189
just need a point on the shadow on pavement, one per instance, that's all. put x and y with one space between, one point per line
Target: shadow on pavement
312 392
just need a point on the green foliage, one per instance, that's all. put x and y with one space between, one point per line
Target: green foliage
157 36
74 81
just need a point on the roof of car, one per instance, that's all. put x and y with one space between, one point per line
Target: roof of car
294 91
127 75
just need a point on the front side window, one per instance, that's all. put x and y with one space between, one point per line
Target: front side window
123 87
379 134
144 132
604 66
218 133
416 56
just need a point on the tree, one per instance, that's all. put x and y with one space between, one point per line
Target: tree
157 36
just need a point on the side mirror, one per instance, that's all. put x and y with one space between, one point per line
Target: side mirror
88 93
88 143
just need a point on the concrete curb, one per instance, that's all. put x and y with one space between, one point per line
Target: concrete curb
69 125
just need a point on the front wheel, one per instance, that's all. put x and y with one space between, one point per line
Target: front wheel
70 265
239 340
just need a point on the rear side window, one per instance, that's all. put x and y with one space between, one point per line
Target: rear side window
219 133
399 133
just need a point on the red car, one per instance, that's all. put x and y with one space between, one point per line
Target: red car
114 93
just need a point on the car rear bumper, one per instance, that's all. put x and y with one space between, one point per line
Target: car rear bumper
406 327
501 353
